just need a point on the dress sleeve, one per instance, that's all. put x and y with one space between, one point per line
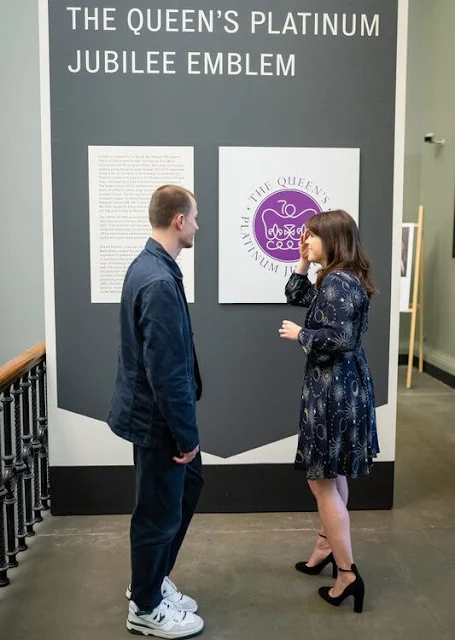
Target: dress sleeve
337 309
299 291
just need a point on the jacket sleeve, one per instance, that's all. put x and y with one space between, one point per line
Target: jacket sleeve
166 362
336 309
299 291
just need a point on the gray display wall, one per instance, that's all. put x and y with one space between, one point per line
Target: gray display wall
342 95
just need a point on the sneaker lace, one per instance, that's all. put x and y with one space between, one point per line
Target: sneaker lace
167 611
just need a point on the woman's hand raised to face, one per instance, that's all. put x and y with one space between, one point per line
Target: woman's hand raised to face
304 264
303 247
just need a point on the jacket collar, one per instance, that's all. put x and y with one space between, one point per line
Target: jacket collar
157 249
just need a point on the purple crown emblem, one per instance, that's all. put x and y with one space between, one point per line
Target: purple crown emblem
280 220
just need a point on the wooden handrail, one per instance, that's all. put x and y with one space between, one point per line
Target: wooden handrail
15 368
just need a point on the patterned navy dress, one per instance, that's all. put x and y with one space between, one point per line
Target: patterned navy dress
337 418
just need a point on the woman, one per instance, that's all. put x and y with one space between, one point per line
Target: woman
337 421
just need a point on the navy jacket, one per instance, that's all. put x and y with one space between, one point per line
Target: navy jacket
158 380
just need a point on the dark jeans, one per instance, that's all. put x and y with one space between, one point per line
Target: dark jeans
166 497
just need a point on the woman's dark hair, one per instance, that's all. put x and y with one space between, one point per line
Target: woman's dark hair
342 247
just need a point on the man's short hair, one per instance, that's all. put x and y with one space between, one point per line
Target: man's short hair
166 202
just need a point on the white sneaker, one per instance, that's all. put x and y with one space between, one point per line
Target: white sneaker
171 594
165 621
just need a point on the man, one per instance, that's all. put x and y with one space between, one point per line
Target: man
154 407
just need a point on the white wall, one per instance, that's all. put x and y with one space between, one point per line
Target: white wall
430 171
21 261
429 178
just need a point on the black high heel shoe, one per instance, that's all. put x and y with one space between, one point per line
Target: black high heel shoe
314 571
356 589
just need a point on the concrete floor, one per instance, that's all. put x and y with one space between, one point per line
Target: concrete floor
240 568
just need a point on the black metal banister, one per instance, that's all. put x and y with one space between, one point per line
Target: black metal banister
24 491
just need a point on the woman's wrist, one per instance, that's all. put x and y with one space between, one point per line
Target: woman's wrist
302 267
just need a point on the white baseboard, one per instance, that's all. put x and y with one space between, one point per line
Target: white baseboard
437 358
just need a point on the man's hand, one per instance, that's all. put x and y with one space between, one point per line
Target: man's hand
186 457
